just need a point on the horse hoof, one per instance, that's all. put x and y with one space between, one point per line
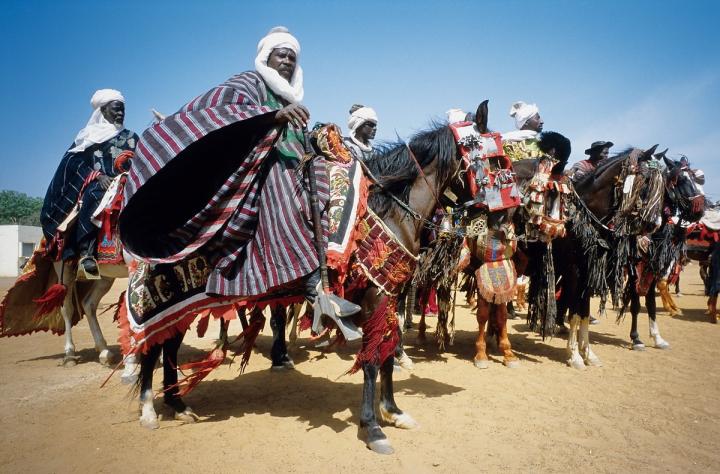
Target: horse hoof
149 422
593 362
511 364
70 360
398 420
187 416
405 362
638 346
662 345
380 446
107 358
128 379
482 363
576 363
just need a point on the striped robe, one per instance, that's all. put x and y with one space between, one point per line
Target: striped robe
219 179
63 193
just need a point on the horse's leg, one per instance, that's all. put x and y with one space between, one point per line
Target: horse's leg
295 310
376 439
278 353
389 411
660 343
637 344
510 360
586 351
422 327
171 398
130 371
574 359
483 313
67 275
662 287
401 357
148 416
90 305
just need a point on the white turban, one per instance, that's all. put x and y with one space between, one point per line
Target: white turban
455 115
521 112
356 119
279 37
360 116
98 129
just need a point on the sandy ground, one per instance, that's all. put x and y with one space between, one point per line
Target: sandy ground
643 411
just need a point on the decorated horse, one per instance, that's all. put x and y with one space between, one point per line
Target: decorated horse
658 251
493 208
405 180
611 208
54 294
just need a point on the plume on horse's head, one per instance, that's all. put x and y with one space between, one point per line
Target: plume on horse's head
396 170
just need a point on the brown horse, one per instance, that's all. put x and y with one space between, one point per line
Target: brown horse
407 178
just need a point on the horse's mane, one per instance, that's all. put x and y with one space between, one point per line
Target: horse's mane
393 167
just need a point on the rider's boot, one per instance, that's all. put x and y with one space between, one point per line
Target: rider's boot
87 256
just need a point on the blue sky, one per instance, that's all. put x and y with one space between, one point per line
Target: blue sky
633 72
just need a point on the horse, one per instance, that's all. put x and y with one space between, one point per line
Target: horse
55 294
83 297
681 196
407 179
618 202
543 218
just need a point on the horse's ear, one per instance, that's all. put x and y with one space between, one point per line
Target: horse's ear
481 117
668 162
661 155
648 154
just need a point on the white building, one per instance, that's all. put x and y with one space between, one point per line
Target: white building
17 243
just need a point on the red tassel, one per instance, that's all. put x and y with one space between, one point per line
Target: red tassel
51 300
201 369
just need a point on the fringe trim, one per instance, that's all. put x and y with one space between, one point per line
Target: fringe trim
4 303
542 307
380 335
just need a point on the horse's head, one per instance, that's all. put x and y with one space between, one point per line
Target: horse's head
682 192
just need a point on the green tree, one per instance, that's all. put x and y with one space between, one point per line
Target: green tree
19 208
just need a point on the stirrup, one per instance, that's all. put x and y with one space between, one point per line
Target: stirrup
337 309
83 274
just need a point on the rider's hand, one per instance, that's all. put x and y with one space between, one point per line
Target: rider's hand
104 181
295 114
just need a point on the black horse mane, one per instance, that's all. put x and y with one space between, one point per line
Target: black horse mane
394 168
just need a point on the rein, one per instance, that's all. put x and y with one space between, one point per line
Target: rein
422 173
405 207
397 200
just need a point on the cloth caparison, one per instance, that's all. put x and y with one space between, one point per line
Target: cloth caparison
98 129
522 112
279 37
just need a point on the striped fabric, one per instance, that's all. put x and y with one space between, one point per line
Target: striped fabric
256 229
63 193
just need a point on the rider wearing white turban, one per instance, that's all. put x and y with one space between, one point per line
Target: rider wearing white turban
277 38
359 115
522 112
98 128
522 143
